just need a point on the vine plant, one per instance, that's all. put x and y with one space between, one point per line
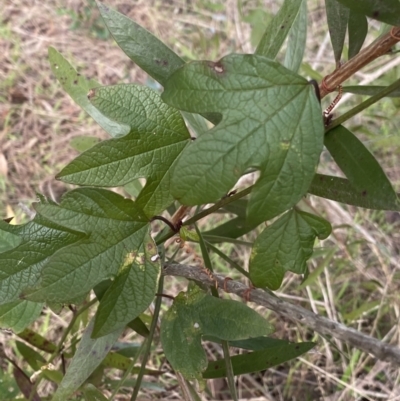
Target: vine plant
265 118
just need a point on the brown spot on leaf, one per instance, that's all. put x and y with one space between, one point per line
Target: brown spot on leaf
164 63
375 14
91 94
76 82
218 67
364 193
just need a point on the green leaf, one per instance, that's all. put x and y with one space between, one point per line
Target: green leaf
136 324
91 393
258 360
196 122
83 142
253 344
312 277
78 87
363 309
132 291
139 327
32 357
363 105
196 314
271 121
142 47
386 11
8 240
235 227
18 315
157 136
20 267
359 165
87 358
338 16
358 29
369 90
278 29
38 341
297 40
285 245
114 227
8 386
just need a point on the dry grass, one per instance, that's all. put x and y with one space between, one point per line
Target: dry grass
37 121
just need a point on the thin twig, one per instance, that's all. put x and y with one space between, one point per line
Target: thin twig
320 324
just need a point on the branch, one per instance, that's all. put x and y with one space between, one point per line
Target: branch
320 324
379 47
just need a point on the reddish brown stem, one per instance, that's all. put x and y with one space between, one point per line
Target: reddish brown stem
378 48
177 218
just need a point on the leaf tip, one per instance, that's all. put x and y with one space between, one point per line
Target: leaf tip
102 7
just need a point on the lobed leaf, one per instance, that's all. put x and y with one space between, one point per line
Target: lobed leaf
271 122
157 136
361 168
195 314
19 314
78 87
284 246
114 227
338 16
20 267
8 240
386 11
278 29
